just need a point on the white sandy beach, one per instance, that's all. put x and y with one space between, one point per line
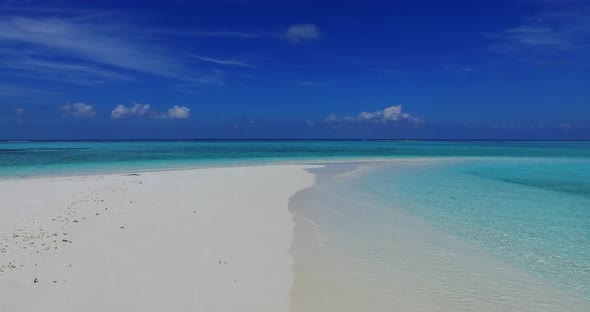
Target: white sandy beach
198 240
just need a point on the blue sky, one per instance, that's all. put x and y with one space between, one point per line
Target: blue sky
298 69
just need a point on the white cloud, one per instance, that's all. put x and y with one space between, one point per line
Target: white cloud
219 34
13 91
178 112
336 118
29 65
97 42
221 61
79 109
101 45
536 36
138 110
386 115
301 32
555 31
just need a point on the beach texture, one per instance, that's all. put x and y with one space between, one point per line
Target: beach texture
201 240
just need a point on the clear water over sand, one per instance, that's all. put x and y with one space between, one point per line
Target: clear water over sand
444 235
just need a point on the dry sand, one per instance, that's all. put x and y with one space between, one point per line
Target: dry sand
190 240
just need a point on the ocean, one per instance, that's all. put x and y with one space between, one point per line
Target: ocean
398 225
25 159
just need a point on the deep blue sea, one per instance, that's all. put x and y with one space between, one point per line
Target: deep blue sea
524 203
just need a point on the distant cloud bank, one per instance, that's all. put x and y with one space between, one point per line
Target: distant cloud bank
178 112
136 110
386 115
80 110
144 110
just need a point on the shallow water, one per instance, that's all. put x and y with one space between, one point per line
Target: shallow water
445 235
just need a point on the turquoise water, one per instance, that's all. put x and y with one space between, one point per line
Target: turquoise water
20 159
532 211
446 234
524 203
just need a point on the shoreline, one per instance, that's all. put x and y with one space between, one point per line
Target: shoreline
211 239
355 252
235 164
295 162
248 238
